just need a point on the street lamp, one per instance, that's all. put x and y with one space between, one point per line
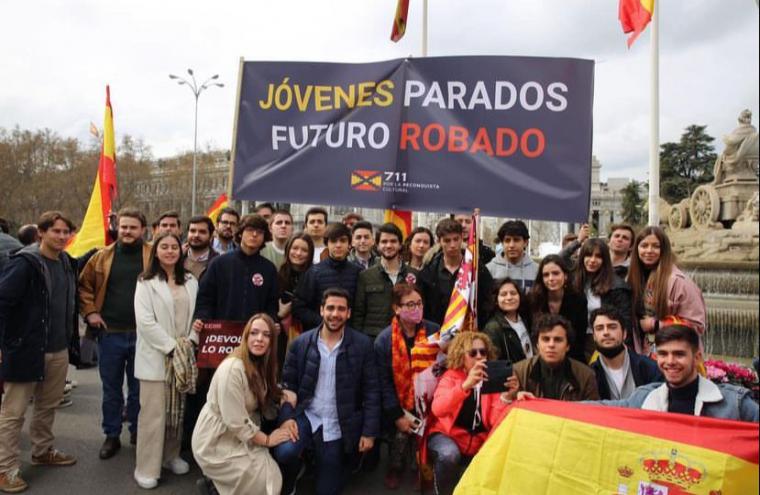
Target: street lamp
197 90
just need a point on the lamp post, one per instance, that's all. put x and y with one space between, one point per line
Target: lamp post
197 90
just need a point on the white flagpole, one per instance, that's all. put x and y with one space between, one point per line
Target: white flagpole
654 110
424 28
424 54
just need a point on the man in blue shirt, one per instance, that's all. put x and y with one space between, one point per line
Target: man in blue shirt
332 370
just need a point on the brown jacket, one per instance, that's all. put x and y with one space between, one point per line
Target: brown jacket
94 278
581 383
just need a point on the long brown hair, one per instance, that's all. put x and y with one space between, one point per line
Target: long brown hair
638 273
601 281
154 266
288 273
539 295
261 372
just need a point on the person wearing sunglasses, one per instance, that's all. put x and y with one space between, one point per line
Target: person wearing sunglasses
553 374
461 417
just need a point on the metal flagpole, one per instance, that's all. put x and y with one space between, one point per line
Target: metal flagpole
424 54
424 28
654 110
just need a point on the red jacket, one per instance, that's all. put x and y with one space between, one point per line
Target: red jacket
447 402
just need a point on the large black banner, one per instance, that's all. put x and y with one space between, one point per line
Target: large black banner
509 135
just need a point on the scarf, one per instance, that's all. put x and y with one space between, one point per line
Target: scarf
180 379
402 367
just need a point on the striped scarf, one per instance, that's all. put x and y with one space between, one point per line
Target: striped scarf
180 379
400 362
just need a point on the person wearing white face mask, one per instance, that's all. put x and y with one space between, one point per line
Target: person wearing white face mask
393 348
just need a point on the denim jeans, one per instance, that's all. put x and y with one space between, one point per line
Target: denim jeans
329 459
116 356
446 458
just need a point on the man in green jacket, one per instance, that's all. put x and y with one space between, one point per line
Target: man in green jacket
374 291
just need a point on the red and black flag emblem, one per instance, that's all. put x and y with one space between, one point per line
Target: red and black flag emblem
366 180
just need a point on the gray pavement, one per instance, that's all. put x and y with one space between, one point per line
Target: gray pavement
78 432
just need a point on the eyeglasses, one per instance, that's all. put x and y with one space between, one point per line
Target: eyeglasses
479 351
228 222
412 305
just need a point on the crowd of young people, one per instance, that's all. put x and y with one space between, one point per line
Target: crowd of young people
334 315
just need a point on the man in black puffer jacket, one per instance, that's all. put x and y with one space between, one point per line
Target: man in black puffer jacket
334 271
332 370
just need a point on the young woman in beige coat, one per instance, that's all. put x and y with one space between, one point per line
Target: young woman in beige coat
228 443
164 305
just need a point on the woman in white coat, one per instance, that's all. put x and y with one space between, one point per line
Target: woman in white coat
164 305
228 442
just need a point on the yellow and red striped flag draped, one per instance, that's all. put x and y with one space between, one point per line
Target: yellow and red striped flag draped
94 231
634 16
401 219
425 354
462 300
546 446
220 204
399 20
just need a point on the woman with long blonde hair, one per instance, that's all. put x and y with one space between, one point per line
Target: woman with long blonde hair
228 442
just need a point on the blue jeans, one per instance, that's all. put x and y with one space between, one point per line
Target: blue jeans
329 458
116 355
446 458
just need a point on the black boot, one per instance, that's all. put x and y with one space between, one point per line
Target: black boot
110 447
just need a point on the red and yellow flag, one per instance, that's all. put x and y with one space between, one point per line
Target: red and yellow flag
461 312
399 21
220 204
401 219
94 231
546 446
634 16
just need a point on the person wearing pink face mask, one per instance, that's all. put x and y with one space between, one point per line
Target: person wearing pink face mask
393 349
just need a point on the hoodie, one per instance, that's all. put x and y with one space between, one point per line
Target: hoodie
523 272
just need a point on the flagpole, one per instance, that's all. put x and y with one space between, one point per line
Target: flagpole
424 54
424 28
654 115
233 150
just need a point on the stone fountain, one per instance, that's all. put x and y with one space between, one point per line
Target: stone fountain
716 235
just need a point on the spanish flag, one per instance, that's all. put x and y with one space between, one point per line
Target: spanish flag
220 204
399 21
401 219
461 312
94 231
634 16
547 447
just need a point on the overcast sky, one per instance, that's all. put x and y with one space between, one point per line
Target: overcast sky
57 57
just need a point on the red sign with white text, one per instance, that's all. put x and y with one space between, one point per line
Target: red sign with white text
217 339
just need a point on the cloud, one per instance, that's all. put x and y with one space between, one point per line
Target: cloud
55 77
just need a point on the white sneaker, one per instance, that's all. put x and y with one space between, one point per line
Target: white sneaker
177 466
146 483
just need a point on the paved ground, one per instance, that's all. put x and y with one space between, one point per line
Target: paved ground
78 432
